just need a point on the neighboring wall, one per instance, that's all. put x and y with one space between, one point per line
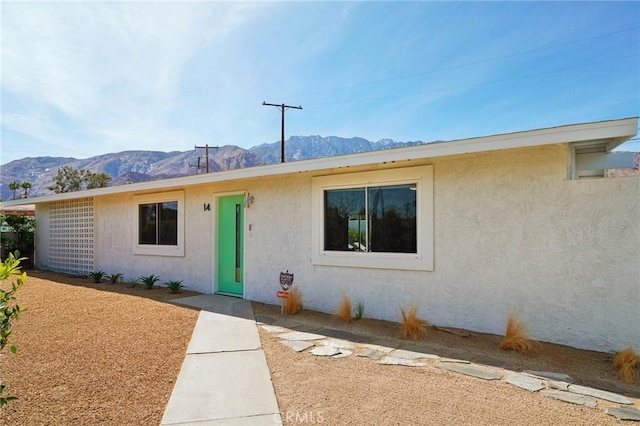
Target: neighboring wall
511 233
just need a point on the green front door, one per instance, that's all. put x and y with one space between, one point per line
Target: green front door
230 244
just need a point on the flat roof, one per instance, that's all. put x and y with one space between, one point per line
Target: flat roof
612 132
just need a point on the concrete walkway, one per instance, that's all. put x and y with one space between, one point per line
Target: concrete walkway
224 378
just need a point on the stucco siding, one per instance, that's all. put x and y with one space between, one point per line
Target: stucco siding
510 233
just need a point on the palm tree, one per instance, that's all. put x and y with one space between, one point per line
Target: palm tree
14 185
26 185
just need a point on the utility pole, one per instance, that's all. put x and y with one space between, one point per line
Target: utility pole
282 107
197 165
206 154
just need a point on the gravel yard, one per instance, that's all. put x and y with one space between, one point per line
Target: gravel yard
94 354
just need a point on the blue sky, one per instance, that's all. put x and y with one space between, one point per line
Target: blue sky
88 78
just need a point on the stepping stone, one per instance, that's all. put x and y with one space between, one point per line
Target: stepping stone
371 353
624 413
554 384
547 375
273 328
404 354
471 370
297 346
455 361
340 344
570 397
525 382
380 346
325 351
300 335
343 353
614 387
600 394
390 360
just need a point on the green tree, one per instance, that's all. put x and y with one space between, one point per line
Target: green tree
26 185
14 185
9 311
97 180
69 179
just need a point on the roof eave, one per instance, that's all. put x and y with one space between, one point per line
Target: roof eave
614 131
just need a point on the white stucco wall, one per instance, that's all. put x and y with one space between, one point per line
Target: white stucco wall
511 233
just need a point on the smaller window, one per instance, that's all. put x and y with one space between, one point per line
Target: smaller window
160 224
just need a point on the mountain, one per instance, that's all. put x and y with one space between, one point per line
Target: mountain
141 166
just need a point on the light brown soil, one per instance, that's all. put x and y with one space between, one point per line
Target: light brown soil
94 354
357 390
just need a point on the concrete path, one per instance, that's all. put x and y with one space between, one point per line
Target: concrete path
224 378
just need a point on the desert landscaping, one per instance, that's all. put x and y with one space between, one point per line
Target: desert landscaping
110 354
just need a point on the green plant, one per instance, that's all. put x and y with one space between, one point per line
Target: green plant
97 276
174 286
412 326
132 282
114 278
359 309
149 281
9 312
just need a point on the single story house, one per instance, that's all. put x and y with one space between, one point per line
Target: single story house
470 230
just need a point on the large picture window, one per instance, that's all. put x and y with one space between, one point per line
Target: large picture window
371 219
380 219
160 224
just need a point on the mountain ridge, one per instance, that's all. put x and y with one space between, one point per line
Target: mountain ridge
132 166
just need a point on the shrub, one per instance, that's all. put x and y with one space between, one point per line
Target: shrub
627 362
516 339
149 281
132 282
97 276
412 326
293 302
9 312
359 309
344 309
174 286
114 278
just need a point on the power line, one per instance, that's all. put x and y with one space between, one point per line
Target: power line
478 84
206 154
483 61
282 108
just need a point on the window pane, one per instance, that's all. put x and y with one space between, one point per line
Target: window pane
392 213
168 229
344 220
147 223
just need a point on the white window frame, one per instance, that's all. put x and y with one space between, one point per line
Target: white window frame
422 176
159 250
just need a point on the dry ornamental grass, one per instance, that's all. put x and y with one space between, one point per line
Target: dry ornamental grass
627 361
516 339
411 325
344 309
